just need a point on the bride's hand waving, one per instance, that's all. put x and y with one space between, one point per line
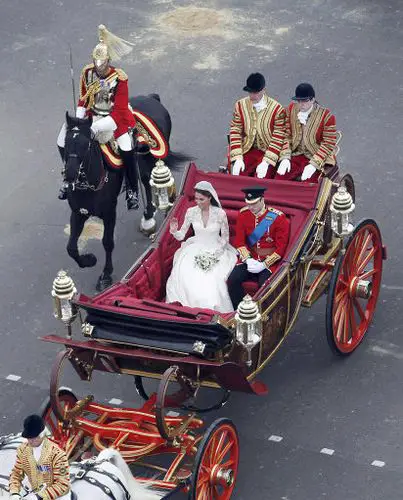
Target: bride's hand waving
174 225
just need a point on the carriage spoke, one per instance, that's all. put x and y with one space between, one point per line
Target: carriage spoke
359 309
340 324
339 309
352 320
226 449
346 322
219 447
364 263
368 274
202 492
361 253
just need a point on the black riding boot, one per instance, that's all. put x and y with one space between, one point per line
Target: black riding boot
63 190
132 197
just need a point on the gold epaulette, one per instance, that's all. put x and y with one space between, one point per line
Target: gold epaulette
243 209
121 74
274 210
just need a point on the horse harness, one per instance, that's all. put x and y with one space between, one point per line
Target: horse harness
91 465
84 184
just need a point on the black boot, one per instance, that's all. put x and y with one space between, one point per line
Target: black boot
132 197
63 190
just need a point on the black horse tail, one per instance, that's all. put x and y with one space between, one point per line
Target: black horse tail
175 159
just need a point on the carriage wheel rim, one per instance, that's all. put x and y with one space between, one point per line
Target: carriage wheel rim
357 288
67 401
219 465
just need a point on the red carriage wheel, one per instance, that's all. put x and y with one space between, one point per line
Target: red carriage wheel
354 288
60 433
216 463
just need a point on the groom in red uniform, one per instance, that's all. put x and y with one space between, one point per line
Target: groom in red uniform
261 239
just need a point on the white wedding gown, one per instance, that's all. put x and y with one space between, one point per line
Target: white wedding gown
190 285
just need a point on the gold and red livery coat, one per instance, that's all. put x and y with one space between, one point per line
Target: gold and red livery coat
316 140
264 131
272 246
51 469
90 86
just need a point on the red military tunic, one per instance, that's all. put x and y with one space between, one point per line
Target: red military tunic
116 79
272 246
313 143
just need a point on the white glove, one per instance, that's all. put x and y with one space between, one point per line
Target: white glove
105 124
284 167
254 266
15 496
308 172
239 166
80 112
261 169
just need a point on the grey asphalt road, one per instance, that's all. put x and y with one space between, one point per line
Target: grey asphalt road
329 428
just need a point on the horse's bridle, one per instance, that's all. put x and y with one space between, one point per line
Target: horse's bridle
81 183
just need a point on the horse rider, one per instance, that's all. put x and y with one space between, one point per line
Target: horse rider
311 138
261 239
43 462
257 131
104 96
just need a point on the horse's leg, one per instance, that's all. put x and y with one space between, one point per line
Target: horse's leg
77 222
146 164
108 242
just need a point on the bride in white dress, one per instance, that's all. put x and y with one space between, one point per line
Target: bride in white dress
204 261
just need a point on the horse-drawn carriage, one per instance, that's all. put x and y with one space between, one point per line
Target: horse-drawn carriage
130 329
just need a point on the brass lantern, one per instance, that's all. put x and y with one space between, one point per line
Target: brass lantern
63 291
248 325
341 209
162 187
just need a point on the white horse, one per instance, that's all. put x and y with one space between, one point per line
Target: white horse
108 463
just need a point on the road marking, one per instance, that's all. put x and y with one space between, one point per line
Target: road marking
275 438
327 451
12 377
393 287
388 352
378 463
115 401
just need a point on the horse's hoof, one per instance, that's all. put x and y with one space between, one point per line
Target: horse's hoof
87 260
147 226
103 283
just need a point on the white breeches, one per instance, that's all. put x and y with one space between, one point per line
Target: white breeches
124 141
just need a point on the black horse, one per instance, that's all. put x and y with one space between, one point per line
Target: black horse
94 187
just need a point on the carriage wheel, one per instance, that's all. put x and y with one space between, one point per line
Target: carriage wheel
67 401
216 463
354 288
348 182
172 427
138 382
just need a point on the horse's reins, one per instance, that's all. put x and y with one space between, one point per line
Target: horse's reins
80 185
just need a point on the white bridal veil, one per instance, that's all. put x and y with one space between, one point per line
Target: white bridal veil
207 186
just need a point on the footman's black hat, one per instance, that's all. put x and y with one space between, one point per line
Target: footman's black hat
253 193
304 92
33 426
255 83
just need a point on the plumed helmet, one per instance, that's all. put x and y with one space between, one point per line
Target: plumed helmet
304 92
33 426
110 46
255 83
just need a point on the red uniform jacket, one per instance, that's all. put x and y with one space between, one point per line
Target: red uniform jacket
318 139
272 246
117 78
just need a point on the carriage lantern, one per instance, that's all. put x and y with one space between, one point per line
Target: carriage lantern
163 186
342 208
63 291
248 325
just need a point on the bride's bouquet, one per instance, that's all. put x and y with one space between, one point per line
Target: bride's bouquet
206 261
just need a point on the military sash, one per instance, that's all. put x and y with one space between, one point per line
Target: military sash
262 228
